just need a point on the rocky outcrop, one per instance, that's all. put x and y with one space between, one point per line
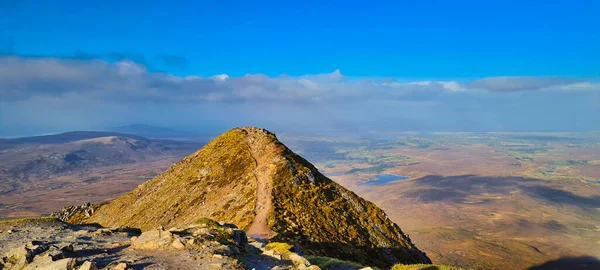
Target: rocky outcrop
219 240
75 212
40 255
51 244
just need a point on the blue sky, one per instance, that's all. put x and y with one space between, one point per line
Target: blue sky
412 39
408 65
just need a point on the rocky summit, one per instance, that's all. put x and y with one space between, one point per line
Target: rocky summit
248 178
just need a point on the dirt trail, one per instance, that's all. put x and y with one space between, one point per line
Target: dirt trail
262 152
259 228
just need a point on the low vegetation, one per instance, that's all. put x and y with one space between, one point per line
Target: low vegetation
28 220
281 248
332 263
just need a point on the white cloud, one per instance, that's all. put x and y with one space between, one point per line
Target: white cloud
130 68
61 94
581 86
219 77
22 78
521 83
449 85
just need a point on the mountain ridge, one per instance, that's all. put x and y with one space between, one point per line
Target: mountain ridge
249 178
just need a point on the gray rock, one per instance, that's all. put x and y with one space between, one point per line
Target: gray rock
67 212
153 239
298 260
46 264
178 244
88 265
23 255
56 255
68 248
121 266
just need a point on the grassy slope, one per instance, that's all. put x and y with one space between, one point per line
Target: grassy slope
216 182
328 263
326 219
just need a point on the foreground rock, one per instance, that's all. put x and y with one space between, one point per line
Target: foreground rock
49 243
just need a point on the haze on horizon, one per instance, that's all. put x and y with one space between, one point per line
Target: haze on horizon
349 66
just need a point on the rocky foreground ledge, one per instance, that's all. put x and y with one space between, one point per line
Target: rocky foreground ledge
48 243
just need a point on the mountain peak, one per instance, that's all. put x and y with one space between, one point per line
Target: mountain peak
255 131
247 177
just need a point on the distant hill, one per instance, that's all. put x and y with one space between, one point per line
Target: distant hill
78 165
247 177
61 138
27 159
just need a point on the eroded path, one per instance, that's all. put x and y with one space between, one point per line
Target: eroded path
259 228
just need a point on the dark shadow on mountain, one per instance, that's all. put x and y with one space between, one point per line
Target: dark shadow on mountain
569 263
456 189
554 225
558 196
438 195
469 182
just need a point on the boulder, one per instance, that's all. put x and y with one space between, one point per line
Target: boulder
23 255
153 239
272 253
56 255
88 265
298 260
178 244
47 264
121 266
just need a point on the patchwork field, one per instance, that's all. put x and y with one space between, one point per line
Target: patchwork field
482 201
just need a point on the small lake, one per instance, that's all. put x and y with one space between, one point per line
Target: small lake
383 179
